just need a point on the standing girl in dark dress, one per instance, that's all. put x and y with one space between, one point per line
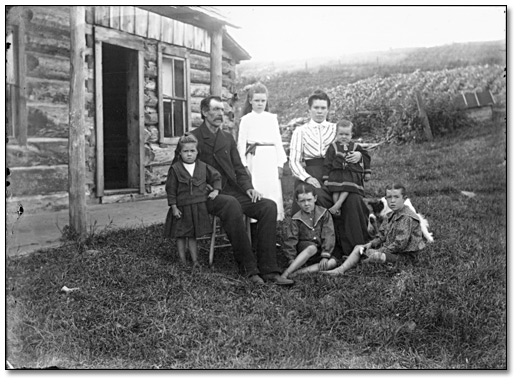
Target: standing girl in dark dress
340 176
187 195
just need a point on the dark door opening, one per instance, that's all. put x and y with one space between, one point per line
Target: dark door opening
120 132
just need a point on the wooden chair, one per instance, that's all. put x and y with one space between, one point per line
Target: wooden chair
218 232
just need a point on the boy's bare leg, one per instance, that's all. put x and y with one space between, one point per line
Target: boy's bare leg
180 242
341 197
193 249
300 260
350 262
315 267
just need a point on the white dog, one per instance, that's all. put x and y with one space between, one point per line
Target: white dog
381 209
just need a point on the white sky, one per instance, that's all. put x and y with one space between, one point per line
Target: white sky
272 33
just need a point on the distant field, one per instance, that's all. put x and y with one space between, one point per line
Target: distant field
386 89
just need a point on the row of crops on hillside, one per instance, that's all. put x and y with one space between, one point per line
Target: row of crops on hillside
386 107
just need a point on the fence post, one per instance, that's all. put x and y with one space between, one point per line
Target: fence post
424 116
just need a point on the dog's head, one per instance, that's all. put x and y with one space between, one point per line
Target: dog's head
376 217
376 207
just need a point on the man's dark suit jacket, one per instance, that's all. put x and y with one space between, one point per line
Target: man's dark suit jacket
220 152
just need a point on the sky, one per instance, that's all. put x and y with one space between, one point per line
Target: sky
279 33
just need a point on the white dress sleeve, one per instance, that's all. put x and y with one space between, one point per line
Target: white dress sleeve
281 154
242 139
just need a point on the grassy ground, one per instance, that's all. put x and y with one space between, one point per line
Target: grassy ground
136 307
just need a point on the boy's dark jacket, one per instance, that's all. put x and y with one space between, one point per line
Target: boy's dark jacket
220 152
321 233
183 189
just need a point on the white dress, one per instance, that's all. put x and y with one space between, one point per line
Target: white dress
269 155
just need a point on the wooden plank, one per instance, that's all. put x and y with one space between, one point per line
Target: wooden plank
77 204
167 30
179 32
132 122
141 120
187 92
159 85
127 19
216 69
119 38
22 82
154 27
115 17
142 22
102 15
174 51
188 36
98 78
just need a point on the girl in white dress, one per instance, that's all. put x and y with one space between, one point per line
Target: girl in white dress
260 146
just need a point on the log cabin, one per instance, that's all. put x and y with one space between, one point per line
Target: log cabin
98 96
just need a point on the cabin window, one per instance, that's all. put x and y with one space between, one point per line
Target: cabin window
174 90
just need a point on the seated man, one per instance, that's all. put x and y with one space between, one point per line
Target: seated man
218 149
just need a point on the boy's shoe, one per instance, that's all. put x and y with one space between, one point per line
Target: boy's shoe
256 279
277 279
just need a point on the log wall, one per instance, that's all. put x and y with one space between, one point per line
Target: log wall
38 168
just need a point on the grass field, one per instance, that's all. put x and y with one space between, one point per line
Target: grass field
137 307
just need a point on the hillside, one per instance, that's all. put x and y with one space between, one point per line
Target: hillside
388 85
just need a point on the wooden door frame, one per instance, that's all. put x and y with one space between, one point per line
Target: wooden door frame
106 35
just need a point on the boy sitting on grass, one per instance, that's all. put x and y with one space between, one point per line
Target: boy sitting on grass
311 235
399 237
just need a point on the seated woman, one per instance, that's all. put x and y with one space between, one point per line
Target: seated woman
308 146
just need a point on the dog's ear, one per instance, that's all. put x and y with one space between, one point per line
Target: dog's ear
372 204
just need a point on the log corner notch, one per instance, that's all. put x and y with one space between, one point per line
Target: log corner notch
77 200
216 61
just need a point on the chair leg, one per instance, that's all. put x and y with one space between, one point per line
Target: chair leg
212 242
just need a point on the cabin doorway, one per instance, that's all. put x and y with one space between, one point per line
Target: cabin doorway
119 110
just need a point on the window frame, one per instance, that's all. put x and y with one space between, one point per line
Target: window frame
174 53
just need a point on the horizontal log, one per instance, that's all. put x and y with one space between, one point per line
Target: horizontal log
48 41
38 153
48 67
47 120
44 91
157 155
38 203
198 76
202 90
50 17
38 180
155 175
